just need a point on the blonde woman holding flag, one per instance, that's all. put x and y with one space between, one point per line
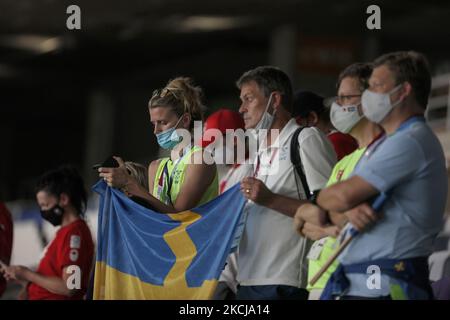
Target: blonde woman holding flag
176 183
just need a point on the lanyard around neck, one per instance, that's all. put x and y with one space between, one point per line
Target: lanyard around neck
165 177
258 162
405 125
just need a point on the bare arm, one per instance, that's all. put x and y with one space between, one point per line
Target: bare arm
346 195
55 285
285 205
311 221
152 168
119 178
260 194
197 179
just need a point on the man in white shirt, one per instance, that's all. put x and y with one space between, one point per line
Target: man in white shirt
272 257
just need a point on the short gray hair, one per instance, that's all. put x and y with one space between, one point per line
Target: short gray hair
270 79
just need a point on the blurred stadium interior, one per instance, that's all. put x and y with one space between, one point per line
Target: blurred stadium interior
78 96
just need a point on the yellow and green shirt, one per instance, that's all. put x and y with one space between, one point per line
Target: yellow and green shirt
175 172
341 171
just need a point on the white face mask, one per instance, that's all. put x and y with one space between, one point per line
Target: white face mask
266 119
376 106
344 118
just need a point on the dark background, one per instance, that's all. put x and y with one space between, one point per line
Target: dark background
78 96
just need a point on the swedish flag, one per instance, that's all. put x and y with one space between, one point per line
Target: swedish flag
142 254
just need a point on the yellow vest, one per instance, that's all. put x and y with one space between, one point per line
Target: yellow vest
341 171
173 172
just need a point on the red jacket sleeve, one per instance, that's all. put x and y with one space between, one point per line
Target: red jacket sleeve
74 248
6 239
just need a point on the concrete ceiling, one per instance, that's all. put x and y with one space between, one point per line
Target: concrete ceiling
153 31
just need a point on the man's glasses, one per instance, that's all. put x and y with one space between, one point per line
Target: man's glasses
344 100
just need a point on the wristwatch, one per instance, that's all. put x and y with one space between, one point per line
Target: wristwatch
313 197
313 200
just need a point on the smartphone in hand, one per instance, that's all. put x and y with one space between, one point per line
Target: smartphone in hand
108 163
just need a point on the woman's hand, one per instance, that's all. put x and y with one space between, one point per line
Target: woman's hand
116 177
15 273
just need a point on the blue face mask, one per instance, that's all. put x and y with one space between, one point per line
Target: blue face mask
169 139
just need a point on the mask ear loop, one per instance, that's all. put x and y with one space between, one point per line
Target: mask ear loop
269 104
58 206
397 88
178 122
360 109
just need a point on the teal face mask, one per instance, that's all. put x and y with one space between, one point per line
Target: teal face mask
169 139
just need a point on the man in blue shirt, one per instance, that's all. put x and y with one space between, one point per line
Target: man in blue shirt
408 164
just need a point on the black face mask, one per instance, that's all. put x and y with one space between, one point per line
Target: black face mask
53 215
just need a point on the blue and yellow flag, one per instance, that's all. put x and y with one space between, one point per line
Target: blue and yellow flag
143 254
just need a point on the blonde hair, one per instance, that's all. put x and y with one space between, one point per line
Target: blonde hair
183 96
139 172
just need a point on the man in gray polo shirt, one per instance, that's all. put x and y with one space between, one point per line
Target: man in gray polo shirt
409 166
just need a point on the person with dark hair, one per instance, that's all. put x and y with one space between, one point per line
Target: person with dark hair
408 166
183 180
310 111
271 256
6 240
64 271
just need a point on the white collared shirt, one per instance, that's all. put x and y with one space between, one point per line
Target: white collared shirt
270 251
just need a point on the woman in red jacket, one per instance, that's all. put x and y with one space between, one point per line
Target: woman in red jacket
63 272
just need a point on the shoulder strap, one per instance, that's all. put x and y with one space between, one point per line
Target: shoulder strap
297 161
